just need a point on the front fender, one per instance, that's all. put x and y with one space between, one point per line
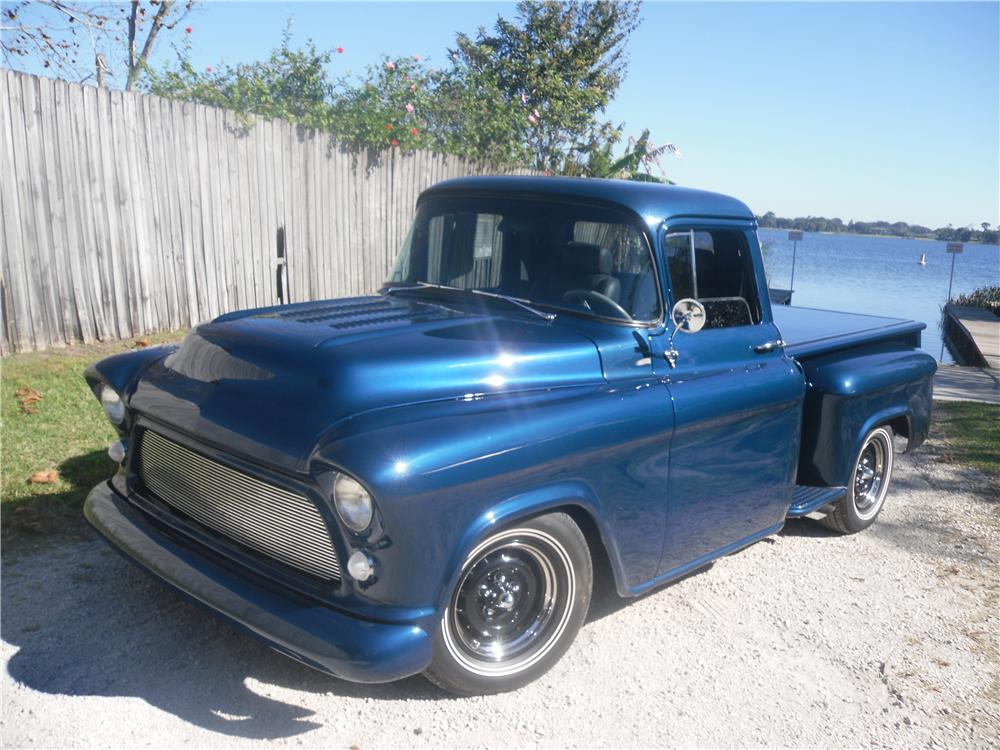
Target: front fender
444 475
558 496
121 371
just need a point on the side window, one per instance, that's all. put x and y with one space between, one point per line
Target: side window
714 266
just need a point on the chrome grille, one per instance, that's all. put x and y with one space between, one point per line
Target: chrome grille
280 524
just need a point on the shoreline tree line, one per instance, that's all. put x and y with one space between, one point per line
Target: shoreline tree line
986 233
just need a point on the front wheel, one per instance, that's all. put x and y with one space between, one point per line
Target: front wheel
521 598
868 486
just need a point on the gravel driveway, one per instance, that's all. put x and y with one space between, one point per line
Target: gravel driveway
887 638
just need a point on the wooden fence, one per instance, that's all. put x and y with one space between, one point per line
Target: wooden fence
124 214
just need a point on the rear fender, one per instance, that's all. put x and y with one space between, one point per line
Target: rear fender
852 392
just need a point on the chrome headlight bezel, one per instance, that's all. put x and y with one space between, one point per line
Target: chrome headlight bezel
353 502
111 402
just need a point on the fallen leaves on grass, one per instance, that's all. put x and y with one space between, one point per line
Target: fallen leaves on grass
44 477
26 397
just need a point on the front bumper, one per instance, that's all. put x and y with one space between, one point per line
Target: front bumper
328 640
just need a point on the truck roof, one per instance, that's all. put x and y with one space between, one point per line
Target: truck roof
652 201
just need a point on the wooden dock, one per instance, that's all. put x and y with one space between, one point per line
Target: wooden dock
975 330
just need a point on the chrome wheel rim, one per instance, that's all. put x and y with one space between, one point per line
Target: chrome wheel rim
512 603
871 474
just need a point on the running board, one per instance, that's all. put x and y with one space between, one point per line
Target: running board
806 500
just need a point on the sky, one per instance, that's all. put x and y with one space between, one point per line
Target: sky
863 111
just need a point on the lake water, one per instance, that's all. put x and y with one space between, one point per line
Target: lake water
878 275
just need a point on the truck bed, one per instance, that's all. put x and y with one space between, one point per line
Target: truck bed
808 331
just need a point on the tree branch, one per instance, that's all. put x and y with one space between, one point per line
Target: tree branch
132 19
136 65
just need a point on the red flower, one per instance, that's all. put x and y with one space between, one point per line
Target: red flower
388 126
208 69
339 50
413 131
188 29
394 142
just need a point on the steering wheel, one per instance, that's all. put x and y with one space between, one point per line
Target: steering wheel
587 296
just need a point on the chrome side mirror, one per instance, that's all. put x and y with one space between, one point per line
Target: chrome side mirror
688 315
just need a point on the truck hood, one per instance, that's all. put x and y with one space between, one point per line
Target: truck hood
269 383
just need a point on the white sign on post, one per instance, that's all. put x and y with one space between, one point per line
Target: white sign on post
955 248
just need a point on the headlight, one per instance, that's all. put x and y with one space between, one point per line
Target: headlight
353 502
112 404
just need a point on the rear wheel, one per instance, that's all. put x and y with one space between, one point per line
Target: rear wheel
868 486
520 600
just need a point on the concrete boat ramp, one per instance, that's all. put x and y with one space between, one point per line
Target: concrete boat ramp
955 383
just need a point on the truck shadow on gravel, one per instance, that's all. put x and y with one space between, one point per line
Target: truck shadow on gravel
86 623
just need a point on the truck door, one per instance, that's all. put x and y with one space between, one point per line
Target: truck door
737 398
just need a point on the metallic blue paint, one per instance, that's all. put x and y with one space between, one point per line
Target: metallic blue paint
651 202
120 371
808 332
461 415
854 390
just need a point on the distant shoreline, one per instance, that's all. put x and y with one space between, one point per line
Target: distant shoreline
886 236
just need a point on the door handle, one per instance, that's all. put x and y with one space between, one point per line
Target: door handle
770 346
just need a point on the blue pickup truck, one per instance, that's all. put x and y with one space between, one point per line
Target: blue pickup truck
557 373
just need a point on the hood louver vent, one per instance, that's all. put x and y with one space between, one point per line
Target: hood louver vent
355 313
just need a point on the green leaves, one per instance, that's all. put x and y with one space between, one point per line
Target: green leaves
291 84
530 92
559 65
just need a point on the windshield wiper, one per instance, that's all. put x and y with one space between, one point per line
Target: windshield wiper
422 285
523 304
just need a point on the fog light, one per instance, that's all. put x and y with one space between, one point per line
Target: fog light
360 566
117 451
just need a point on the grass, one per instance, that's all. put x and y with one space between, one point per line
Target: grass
65 432
69 434
986 296
972 432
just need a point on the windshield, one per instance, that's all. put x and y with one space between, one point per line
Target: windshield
565 256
